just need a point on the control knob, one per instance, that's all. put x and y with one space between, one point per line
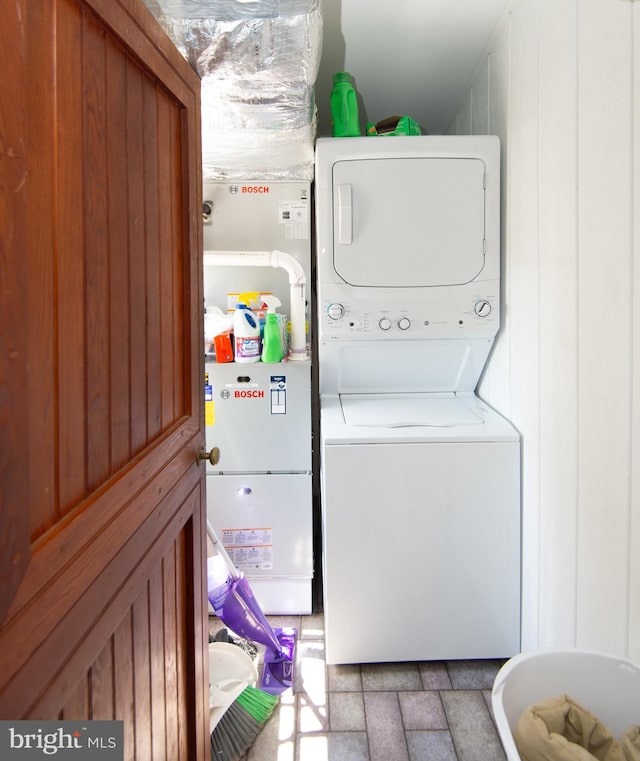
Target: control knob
404 323
482 308
384 323
335 311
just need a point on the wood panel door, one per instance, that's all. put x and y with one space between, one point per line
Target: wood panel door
102 509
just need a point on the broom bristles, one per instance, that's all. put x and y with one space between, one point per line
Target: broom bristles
257 703
242 721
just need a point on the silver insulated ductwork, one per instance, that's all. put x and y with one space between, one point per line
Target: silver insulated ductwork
258 61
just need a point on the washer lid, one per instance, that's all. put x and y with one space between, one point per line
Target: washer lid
405 410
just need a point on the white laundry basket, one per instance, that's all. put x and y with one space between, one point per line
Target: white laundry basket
607 686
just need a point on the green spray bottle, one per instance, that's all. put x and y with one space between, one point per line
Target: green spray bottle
272 336
345 120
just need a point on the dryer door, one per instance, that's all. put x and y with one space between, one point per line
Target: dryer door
409 222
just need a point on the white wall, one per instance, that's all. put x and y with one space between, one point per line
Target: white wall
560 84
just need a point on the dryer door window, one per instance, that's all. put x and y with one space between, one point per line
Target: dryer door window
411 222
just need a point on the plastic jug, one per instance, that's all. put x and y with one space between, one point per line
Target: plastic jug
344 107
231 671
246 334
272 339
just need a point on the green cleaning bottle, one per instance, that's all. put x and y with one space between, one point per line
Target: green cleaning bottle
271 342
344 107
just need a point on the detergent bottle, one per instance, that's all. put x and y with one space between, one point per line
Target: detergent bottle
271 342
344 106
246 334
272 345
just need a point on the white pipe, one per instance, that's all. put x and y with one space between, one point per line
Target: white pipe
297 282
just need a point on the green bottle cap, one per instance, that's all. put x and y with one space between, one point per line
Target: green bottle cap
341 76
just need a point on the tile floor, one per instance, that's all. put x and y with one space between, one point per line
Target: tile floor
430 711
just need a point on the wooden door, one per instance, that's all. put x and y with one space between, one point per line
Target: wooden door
102 509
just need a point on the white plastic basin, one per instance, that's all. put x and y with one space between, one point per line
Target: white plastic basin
607 686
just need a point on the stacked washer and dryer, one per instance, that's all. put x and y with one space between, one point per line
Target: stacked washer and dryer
420 479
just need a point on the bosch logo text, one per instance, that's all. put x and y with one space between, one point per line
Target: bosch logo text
248 394
255 188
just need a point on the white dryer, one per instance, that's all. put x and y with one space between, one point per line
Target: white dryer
420 479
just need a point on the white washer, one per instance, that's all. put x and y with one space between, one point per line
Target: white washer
420 479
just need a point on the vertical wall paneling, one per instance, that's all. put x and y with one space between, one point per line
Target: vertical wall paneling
143 655
564 97
495 386
78 705
15 523
523 274
464 125
480 101
558 318
152 252
106 251
137 260
165 321
604 315
124 682
634 533
96 242
142 683
119 253
42 385
69 380
157 666
171 654
177 242
182 681
102 678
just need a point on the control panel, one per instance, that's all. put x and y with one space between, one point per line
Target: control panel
463 312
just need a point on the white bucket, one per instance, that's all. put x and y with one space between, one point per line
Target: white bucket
607 686
231 671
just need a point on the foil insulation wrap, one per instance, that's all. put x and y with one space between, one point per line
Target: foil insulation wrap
258 62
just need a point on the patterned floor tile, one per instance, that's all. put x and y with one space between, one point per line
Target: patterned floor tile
422 710
344 678
390 676
429 711
473 675
333 746
346 711
431 746
434 676
384 727
474 734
